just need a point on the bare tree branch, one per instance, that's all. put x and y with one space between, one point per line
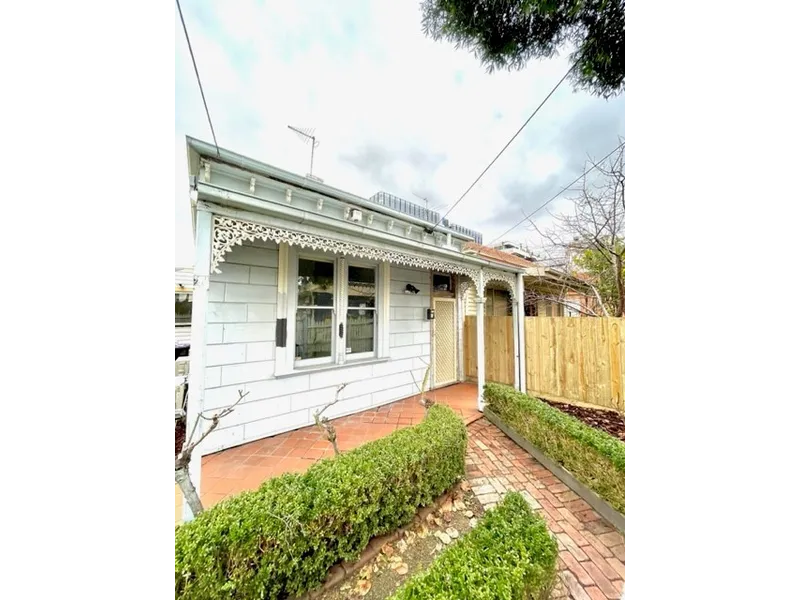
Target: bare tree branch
324 423
184 457
594 231
188 445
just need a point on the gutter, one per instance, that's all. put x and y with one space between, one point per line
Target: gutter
302 217
232 159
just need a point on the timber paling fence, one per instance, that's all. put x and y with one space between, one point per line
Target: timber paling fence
574 359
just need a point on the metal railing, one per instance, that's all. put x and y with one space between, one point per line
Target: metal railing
420 212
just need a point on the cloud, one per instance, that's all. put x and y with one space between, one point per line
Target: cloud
392 169
392 109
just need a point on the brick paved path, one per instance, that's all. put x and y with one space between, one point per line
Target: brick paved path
591 552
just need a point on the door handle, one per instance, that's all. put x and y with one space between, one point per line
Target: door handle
341 330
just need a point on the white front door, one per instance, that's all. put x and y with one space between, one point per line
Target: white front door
445 362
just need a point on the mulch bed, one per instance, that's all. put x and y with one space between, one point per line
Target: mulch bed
607 420
180 434
411 553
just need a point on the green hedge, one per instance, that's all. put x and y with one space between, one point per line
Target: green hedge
510 554
282 538
594 457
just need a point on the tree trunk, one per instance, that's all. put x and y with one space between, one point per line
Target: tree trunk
188 490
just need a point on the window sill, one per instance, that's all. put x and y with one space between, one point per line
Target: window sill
329 367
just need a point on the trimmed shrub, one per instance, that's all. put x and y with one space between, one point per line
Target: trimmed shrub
594 457
510 554
282 538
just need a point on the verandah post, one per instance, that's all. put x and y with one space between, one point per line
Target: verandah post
479 300
522 366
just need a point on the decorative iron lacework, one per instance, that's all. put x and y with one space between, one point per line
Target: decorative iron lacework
231 232
507 278
464 286
488 276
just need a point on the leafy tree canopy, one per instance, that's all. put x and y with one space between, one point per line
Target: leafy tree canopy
603 271
506 34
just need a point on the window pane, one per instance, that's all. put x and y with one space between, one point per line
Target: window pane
442 283
313 328
361 287
183 308
360 331
314 283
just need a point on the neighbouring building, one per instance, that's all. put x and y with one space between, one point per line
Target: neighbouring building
549 292
183 310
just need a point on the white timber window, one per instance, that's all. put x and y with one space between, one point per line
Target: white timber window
314 317
361 323
333 311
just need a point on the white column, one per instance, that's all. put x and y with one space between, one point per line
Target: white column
523 364
197 349
480 341
515 335
460 329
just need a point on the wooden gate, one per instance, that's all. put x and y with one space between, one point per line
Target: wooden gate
499 348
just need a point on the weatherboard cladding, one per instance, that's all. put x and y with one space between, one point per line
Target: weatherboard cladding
240 352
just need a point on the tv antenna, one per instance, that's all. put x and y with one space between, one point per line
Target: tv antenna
307 135
425 200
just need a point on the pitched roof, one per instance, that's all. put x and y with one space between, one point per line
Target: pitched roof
496 255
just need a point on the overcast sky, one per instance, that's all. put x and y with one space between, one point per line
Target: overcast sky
393 110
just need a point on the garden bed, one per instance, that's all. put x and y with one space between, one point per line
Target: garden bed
415 550
248 546
588 460
605 420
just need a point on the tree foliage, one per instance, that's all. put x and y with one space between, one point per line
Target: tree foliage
506 34
603 273
589 240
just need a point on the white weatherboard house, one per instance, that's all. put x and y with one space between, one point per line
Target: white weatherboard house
299 287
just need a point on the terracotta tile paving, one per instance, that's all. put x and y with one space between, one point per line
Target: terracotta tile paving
591 552
245 467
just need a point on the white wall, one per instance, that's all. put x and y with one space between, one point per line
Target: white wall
241 353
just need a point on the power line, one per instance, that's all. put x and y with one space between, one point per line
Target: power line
528 120
197 73
564 189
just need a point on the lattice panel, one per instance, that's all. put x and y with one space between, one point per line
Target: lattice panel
445 364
